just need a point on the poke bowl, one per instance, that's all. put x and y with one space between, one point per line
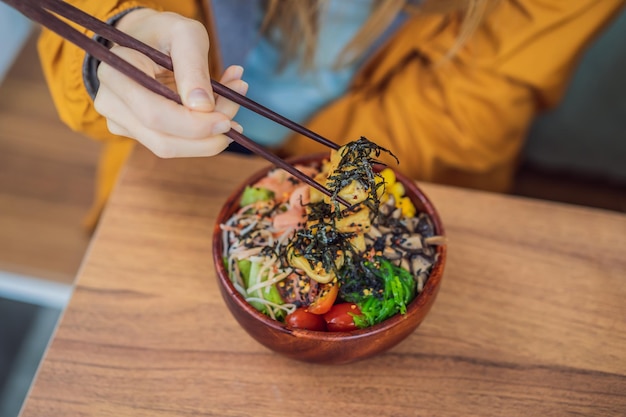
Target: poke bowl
379 292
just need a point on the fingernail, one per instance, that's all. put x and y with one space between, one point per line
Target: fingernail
238 71
221 127
236 126
199 99
242 88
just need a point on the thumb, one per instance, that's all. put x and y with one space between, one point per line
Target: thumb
189 51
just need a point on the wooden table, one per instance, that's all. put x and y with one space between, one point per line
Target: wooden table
530 320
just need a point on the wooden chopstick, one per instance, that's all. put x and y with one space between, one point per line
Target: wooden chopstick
102 53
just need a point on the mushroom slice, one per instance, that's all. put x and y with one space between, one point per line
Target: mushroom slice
435 240
419 264
412 243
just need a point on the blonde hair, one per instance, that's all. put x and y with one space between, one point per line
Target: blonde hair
293 25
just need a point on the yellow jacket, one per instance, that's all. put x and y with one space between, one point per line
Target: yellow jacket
460 122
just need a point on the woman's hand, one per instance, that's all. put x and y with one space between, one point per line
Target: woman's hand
163 126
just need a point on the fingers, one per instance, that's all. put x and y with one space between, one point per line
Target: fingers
165 146
124 101
172 147
160 115
236 126
164 127
231 79
189 49
187 43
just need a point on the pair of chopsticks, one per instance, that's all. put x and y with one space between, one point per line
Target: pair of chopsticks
40 12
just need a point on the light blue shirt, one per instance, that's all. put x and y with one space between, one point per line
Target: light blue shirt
291 92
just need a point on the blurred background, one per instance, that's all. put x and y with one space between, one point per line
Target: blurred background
575 154
45 190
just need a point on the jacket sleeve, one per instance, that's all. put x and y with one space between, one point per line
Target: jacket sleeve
463 120
63 64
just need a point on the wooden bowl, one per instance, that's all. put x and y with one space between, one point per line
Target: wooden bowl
328 347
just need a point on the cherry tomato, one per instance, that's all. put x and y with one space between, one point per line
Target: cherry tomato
339 318
302 319
326 298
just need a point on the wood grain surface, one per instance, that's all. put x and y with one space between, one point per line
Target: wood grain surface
530 319
47 176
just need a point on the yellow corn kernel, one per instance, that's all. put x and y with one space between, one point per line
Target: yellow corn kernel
397 190
407 207
389 176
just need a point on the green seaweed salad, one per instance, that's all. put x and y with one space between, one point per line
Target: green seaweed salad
302 258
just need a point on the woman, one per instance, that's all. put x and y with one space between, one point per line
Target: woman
449 86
